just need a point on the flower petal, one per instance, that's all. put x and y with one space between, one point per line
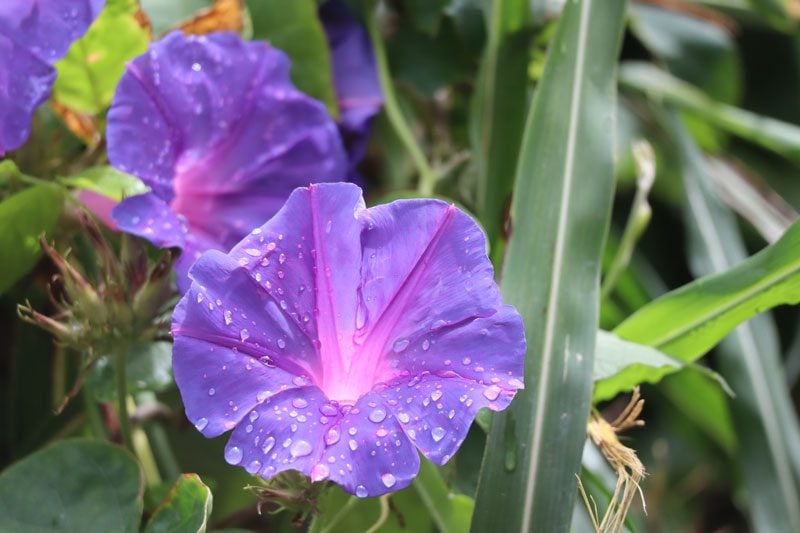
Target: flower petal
220 385
215 127
424 268
226 306
34 34
355 76
307 258
149 217
285 432
369 454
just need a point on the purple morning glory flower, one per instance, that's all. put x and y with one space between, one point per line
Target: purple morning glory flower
337 340
34 34
355 78
214 126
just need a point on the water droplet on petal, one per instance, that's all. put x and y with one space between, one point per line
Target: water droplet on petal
377 415
403 417
299 403
382 432
353 445
268 445
253 467
437 434
466 361
319 472
435 395
233 455
281 343
212 391
400 345
328 410
332 436
492 392
244 335
361 491
228 318
426 344
300 449
389 480
201 424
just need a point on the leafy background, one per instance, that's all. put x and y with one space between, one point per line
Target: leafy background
674 266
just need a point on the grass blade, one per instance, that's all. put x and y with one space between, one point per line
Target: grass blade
560 214
749 357
499 110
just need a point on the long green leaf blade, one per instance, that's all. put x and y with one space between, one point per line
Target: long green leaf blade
499 110
559 214
691 320
749 357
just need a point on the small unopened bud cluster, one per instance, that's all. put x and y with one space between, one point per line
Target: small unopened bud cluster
126 300
289 491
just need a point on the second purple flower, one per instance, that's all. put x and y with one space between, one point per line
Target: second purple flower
214 126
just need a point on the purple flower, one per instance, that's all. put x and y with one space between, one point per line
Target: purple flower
214 126
355 78
34 34
335 339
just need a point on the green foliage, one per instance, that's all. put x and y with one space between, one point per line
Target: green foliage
148 368
294 28
186 508
88 74
108 181
75 485
559 216
24 217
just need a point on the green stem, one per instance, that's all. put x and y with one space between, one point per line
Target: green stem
158 440
92 415
330 526
122 397
427 177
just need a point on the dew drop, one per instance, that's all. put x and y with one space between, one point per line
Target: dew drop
201 424
361 491
377 415
400 345
426 344
492 392
435 395
319 472
254 252
389 480
466 361
328 410
233 455
403 417
332 436
299 403
301 448
253 467
382 432
244 335
352 444
437 434
228 318
281 344
268 445
212 391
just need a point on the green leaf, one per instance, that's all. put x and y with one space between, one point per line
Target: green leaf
23 218
185 510
498 109
88 74
560 215
660 86
74 485
295 28
426 14
452 513
621 365
148 368
695 50
689 321
108 181
344 513
763 413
